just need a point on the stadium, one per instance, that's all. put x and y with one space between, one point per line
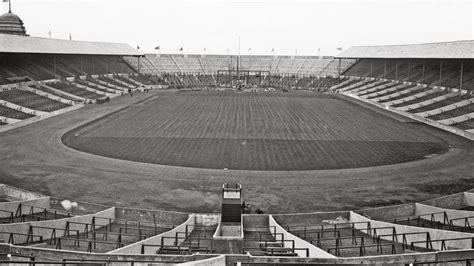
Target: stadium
114 156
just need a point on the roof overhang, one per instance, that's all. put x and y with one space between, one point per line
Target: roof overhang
441 50
37 45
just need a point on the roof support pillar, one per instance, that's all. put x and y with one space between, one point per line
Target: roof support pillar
408 76
107 65
138 64
423 72
339 69
385 69
54 65
371 68
461 77
396 70
82 65
440 71
355 67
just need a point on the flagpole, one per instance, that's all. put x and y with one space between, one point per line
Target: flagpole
9 6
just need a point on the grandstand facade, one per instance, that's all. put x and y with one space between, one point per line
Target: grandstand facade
211 64
191 70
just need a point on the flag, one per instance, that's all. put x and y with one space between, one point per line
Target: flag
157 48
273 49
138 47
181 49
339 48
250 49
70 37
9 5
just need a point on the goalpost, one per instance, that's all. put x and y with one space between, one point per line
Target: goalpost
238 77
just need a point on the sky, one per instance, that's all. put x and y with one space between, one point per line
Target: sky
214 27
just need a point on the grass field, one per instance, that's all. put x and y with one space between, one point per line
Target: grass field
34 158
263 131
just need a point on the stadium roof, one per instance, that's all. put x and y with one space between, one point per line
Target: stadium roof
26 44
441 50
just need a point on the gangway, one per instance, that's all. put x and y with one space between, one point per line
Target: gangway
229 234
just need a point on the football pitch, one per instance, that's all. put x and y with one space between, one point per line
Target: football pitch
273 131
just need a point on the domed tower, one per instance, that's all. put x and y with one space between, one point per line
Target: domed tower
11 24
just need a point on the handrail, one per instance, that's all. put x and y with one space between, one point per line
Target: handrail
404 239
362 248
11 238
430 242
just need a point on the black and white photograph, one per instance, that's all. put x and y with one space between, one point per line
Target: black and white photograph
236 132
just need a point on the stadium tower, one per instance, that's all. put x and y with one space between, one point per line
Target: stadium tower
11 23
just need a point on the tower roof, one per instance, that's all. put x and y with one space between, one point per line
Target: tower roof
11 24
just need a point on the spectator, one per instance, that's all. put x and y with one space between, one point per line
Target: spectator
243 206
248 209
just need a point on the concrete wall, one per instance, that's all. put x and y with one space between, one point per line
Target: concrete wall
396 259
389 212
59 223
165 217
82 207
306 219
39 205
452 214
229 239
35 119
18 194
251 221
136 247
454 201
468 199
41 254
217 261
2 192
434 233
299 243
232 259
207 219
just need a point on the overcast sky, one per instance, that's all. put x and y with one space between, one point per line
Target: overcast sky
289 27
